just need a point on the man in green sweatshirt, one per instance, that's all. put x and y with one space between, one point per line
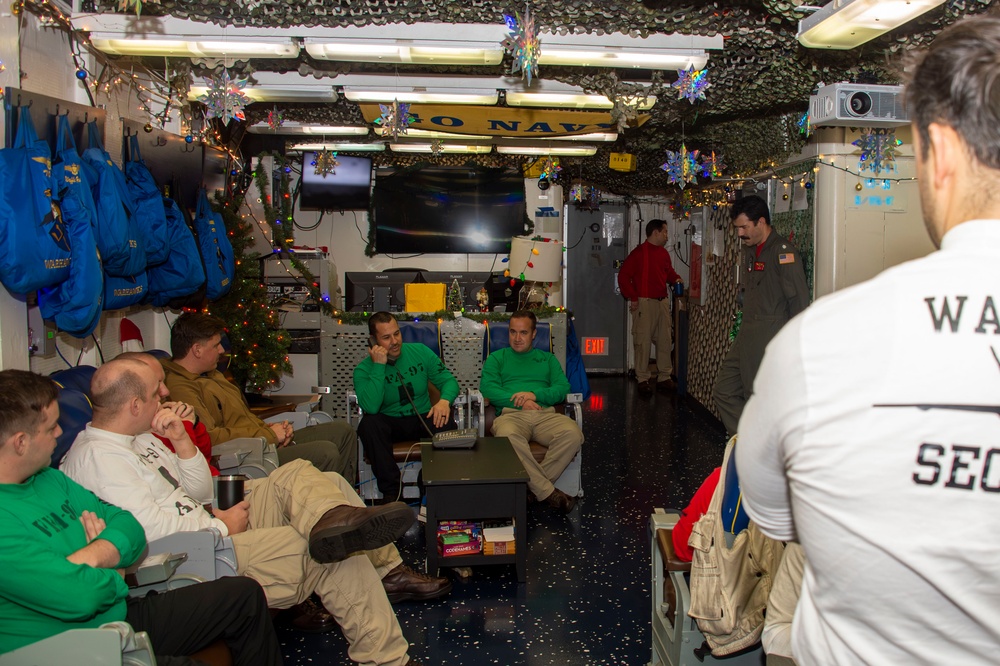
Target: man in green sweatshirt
393 394
63 551
523 383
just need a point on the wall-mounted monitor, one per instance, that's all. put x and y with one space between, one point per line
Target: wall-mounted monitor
447 210
347 188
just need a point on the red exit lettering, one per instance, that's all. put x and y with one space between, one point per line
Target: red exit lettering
595 346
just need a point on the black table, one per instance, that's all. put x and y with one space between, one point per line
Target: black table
484 482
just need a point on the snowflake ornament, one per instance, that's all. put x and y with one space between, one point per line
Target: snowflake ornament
691 84
878 150
224 98
711 165
805 125
585 197
681 167
325 163
437 145
275 118
395 119
522 43
551 170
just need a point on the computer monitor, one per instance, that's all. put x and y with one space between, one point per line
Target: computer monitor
470 283
372 292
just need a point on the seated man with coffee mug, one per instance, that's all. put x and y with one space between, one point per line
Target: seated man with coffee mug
294 533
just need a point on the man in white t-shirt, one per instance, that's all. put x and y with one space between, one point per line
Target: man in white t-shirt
873 435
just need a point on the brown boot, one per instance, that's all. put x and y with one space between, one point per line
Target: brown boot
405 584
350 529
560 501
309 617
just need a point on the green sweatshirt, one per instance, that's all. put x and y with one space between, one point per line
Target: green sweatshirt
41 592
506 372
380 387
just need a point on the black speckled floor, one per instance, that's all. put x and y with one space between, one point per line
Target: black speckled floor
587 600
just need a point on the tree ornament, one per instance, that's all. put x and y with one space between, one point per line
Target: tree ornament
224 98
395 119
325 163
437 146
691 84
188 139
147 128
17 7
81 73
455 296
711 165
522 43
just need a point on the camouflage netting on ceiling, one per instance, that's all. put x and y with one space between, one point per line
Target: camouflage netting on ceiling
760 82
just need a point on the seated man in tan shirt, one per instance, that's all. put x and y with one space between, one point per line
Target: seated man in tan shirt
192 377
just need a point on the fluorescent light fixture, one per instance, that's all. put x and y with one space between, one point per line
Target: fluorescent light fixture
152 45
445 148
845 24
278 87
416 43
425 96
569 100
415 133
671 51
596 136
293 128
124 34
376 147
560 150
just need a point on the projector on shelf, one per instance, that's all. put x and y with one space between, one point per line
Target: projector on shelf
857 105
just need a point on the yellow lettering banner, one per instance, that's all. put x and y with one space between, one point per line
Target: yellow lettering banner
500 121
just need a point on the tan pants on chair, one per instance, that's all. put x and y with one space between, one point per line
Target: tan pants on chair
557 432
274 551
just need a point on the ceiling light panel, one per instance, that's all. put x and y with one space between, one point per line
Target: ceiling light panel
293 128
376 147
421 96
443 148
154 45
845 24
557 150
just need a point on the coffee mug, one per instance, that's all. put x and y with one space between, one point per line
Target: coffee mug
230 490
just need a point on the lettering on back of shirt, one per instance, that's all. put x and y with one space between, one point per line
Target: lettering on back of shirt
951 309
963 467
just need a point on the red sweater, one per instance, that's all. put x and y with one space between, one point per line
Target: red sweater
694 511
646 272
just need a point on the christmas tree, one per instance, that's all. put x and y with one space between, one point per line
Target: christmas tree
455 297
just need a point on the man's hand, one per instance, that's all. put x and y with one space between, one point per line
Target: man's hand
283 431
236 518
440 413
633 306
168 424
181 409
93 525
379 354
522 397
98 553
531 406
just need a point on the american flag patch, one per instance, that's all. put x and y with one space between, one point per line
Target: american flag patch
786 258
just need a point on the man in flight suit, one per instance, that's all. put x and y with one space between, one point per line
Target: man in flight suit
773 291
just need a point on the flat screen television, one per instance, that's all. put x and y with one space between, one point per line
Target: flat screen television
447 210
347 188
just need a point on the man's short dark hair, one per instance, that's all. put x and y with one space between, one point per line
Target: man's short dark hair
191 328
956 82
654 225
753 207
526 314
381 317
23 396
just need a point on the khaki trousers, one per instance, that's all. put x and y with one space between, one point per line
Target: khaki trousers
557 432
274 551
651 324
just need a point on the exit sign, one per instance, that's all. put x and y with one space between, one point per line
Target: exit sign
595 346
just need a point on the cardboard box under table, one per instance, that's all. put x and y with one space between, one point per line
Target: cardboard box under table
425 297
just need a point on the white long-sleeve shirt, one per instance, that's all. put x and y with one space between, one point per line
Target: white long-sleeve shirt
873 437
139 474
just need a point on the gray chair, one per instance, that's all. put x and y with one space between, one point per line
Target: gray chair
112 644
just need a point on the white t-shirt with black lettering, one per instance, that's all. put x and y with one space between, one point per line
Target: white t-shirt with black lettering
873 436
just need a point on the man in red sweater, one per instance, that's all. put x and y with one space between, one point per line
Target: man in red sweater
643 280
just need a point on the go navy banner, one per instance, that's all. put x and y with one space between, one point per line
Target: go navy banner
501 121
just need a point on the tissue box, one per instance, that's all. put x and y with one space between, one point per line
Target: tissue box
425 297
